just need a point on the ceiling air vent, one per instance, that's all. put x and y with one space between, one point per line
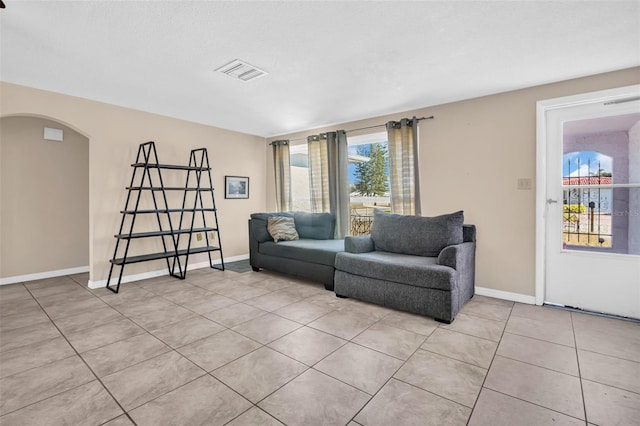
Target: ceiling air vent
241 70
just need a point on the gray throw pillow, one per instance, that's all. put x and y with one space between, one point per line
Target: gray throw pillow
282 229
417 235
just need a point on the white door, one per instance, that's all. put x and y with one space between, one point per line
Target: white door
591 213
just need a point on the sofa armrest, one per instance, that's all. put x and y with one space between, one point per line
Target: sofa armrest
458 255
360 244
462 258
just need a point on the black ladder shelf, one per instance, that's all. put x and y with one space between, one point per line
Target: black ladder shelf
174 226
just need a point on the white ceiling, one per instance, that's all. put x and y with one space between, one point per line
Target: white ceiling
328 62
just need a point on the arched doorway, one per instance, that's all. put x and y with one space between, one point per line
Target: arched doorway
44 225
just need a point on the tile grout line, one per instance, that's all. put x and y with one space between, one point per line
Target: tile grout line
609 356
539 339
171 349
403 362
575 341
37 366
268 347
471 335
536 405
433 393
538 366
110 343
182 385
312 367
206 373
150 332
490 365
268 395
545 368
456 359
309 367
85 363
611 386
428 391
392 377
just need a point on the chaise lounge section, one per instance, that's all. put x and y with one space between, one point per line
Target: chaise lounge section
312 256
412 263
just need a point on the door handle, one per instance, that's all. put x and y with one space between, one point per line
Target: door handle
551 201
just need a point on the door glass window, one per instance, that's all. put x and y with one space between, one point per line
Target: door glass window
586 208
601 184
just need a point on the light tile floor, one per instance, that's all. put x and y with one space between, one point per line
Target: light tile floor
265 349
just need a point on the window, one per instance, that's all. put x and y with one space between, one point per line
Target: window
368 179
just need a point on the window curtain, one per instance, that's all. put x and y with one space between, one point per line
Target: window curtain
318 173
282 169
404 174
329 177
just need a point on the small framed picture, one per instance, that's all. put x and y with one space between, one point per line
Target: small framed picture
236 187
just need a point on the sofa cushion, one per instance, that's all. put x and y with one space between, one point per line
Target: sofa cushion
407 269
306 250
316 226
259 225
282 229
416 235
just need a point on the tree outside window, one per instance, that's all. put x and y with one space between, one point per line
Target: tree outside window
371 178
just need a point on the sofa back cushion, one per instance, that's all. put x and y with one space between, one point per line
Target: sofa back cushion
316 226
259 222
416 235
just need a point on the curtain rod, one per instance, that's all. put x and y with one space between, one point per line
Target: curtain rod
383 125
361 128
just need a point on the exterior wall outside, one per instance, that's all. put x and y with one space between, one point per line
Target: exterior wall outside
44 197
471 156
114 135
300 193
616 146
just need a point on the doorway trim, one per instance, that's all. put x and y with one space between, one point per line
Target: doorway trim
542 107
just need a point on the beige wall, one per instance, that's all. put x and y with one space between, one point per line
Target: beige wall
114 134
44 193
471 156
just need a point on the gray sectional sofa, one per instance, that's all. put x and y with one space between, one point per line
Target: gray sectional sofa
412 263
312 256
417 264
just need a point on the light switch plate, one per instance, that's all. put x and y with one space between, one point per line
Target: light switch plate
525 183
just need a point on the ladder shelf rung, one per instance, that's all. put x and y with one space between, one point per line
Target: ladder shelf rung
170 167
186 210
163 233
162 255
165 188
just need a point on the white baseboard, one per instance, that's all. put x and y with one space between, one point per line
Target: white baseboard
506 295
483 291
43 275
162 272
